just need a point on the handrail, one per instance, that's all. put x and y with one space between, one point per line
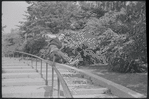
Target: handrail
116 89
61 80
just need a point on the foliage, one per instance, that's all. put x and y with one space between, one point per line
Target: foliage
137 32
34 45
11 41
117 29
48 16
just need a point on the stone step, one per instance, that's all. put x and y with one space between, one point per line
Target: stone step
84 86
80 86
28 64
77 85
25 68
19 80
14 64
72 85
33 95
89 91
10 60
36 81
18 70
26 91
64 74
23 82
43 64
10 65
20 75
95 96
75 80
49 68
35 92
36 74
16 67
44 92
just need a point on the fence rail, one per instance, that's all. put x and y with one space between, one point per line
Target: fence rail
60 79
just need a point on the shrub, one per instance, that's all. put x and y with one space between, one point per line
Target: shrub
124 64
34 45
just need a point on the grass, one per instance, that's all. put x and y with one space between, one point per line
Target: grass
134 81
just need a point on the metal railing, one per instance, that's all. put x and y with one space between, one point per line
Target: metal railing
60 79
116 89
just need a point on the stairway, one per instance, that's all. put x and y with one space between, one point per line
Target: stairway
20 80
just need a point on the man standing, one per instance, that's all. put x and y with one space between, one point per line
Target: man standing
56 45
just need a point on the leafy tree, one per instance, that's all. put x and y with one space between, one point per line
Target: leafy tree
34 45
117 29
11 41
134 46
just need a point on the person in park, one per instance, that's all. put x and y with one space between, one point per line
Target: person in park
56 44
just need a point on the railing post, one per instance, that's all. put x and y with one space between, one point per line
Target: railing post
58 82
46 73
14 54
41 69
9 56
22 56
53 74
31 62
26 59
36 64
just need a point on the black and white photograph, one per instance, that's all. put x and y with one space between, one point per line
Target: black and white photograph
74 49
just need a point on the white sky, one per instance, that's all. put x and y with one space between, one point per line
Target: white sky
13 13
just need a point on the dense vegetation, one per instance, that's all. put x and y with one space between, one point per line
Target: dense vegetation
117 29
11 41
